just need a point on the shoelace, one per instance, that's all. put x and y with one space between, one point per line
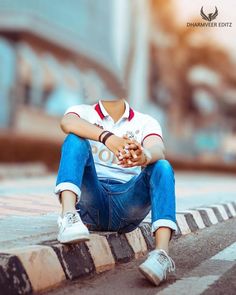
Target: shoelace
162 256
72 217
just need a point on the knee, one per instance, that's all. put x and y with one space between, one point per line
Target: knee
163 165
76 142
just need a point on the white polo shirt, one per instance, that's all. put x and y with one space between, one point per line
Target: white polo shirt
132 123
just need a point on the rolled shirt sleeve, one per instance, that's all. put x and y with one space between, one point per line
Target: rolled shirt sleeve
79 110
151 127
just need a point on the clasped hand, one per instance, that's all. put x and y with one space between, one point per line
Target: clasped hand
128 151
132 155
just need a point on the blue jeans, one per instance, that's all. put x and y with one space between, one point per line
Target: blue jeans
109 205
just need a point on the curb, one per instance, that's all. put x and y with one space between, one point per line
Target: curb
44 266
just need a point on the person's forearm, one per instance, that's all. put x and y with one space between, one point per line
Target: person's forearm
81 127
156 153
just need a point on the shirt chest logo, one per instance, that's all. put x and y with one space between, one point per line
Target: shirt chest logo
132 134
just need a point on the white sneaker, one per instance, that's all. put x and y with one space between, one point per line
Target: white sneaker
155 266
71 228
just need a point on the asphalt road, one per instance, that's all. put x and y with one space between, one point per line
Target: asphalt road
205 264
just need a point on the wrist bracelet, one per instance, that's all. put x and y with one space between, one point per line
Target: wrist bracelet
100 136
106 137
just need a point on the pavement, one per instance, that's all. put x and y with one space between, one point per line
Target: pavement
31 259
205 263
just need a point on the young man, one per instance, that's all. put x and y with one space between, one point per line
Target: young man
112 173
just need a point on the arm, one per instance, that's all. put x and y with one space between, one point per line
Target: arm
155 146
72 123
150 149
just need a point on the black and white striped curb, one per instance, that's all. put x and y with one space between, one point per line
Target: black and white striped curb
44 266
198 218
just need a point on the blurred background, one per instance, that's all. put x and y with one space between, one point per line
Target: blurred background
57 54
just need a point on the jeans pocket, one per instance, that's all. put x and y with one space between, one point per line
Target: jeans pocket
90 216
127 224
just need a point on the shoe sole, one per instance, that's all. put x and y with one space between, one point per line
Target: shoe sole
144 271
75 240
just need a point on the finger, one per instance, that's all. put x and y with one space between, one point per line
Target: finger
130 141
121 153
126 155
132 146
134 155
129 161
122 150
139 146
138 152
134 164
126 158
138 159
134 141
120 163
123 161
126 166
117 153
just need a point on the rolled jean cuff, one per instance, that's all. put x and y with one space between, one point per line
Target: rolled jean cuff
167 223
63 186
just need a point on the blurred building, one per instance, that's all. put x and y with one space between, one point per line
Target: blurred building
193 81
54 55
